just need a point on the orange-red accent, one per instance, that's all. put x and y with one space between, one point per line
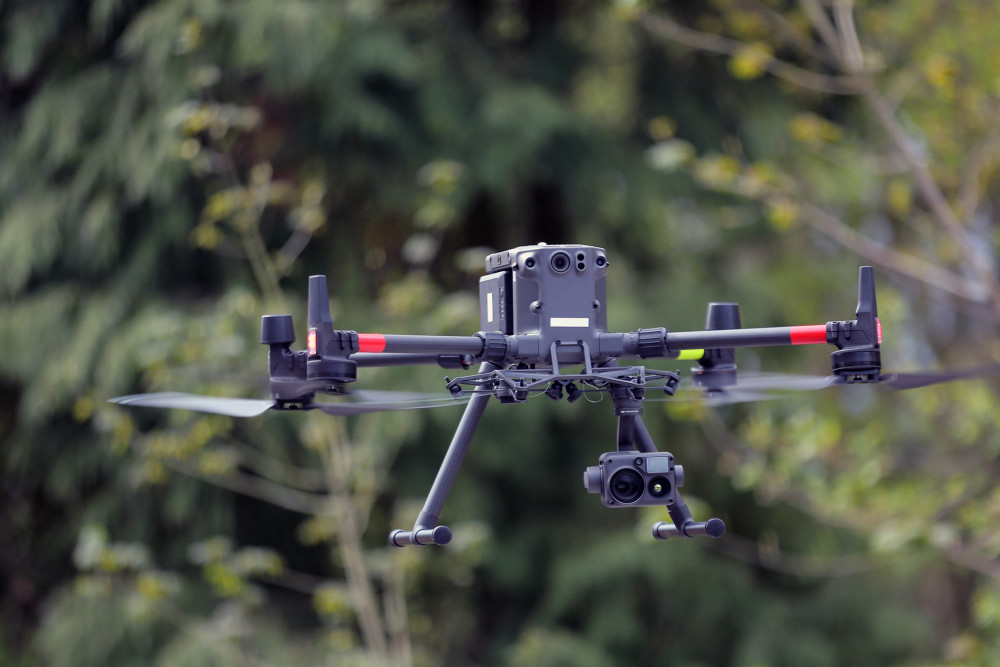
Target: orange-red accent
878 330
371 342
808 335
311 342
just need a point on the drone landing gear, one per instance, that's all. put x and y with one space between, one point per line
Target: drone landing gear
632 431
425 530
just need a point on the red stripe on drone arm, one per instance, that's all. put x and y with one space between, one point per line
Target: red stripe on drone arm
371 342
812 334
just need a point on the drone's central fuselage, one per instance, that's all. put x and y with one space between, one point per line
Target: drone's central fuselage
552 294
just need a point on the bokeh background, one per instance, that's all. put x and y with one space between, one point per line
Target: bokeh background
170 171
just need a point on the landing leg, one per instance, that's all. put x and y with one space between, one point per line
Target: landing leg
426 529
683 524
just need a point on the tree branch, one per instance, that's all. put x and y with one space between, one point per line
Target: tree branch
772 557
303 479
349 542
904 264
850 44
258 487
703 41
847 43
300 582
780 24
926 183
982 158
394 602
931 192
821 23
966 556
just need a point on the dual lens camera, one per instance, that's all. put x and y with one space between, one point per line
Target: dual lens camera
633 479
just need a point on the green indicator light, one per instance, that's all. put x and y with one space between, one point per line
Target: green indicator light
691 355
657 489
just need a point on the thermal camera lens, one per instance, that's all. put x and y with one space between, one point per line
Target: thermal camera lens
560 262
626 486
659 487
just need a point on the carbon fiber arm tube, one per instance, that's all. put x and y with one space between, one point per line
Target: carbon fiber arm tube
411 344
368 359
689 340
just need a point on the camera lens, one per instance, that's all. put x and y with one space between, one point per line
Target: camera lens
560 262
626 486
659 487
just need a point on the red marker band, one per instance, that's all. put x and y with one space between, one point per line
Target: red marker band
371 342
812 334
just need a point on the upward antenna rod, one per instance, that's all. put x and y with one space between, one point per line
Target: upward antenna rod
328 349
319 305
867 312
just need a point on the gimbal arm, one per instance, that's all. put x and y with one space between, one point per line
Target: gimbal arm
632 432
683 524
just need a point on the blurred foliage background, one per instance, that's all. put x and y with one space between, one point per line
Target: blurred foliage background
170 171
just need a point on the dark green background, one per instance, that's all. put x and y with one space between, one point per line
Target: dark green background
171 171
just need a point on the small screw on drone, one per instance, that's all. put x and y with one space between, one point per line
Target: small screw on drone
543 321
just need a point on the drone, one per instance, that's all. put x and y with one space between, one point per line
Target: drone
543 329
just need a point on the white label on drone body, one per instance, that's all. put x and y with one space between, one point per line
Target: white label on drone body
569 322
489 306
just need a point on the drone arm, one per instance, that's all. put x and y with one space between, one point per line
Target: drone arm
801 335
858 336
368 359
412 344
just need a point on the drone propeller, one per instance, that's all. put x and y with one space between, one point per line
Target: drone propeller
715 398
890 381
365 401
231 407
769 386
376 400
757 382
901 381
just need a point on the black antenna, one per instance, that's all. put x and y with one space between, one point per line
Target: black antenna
867 312
328 349
319 320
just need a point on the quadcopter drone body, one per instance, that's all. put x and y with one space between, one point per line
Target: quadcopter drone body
543 310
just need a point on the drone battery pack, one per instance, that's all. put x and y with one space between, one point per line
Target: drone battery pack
495 303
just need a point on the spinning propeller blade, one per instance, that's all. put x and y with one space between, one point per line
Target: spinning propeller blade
900 381
232 407
784 382
769 386
363 402
381 401
720 397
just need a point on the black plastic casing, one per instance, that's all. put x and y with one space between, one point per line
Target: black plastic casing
600 478
556 293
